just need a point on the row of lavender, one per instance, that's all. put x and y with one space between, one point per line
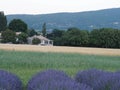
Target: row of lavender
57 80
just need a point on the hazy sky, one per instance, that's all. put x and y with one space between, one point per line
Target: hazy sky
53 6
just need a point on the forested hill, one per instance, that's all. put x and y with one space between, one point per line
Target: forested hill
83 20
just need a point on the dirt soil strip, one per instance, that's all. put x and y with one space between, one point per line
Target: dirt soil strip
82 50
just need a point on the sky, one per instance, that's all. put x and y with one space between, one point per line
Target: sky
54 6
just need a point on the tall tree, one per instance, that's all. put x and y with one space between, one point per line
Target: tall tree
18 25
44 30
8 36
3 21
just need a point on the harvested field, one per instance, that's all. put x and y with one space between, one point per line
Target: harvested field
82 50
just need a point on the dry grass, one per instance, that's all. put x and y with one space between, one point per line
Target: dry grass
82 50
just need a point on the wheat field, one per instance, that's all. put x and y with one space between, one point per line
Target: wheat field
81 50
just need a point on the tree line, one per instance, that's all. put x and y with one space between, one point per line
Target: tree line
104 37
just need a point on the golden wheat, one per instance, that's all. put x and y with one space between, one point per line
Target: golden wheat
82 50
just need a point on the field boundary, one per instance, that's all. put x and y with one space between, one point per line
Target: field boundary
81 50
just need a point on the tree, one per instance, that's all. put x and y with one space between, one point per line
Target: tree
44 30
18 25
95 38
31 32
76 37
36 41
84 35
22 38
8 36
56 36
3 21
117 38
72 37
105 38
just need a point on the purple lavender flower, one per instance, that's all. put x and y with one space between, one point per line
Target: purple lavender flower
109 81
8 81
54 80
89 76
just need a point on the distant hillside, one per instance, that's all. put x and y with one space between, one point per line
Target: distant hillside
83 20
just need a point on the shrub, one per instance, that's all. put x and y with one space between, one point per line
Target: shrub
89 76
9 81
108 82
54 80
36 41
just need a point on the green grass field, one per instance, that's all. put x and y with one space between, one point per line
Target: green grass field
26 64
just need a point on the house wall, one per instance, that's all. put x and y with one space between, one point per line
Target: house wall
46 42
43 42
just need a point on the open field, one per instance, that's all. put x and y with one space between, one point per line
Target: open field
82 50
27 60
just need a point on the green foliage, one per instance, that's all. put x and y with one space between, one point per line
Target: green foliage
8 36
57 33
56 36
18 25
71 37
31 32
22 38
95 38
3 21
84 38
117 38
44 30
76 37
36 41
105 37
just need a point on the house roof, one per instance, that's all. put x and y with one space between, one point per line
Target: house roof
17 33
40 37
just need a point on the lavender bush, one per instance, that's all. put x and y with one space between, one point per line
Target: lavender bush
108 82
89 76
8 81
54 80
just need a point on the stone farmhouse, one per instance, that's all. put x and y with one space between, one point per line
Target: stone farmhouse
44 41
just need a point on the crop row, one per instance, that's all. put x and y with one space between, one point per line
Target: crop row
92 79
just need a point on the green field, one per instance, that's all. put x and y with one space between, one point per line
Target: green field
26 64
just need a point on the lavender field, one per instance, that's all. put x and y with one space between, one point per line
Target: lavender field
26 64
91 79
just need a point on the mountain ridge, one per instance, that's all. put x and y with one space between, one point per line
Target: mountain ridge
87 20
